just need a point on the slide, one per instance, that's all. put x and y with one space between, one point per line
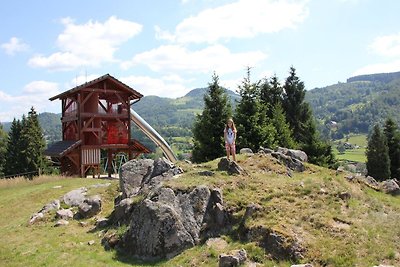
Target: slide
153 135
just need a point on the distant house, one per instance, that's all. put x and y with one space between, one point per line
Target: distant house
348 145
332 124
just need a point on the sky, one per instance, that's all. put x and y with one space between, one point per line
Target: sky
169 47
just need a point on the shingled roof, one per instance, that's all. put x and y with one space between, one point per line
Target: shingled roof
120 84
61 148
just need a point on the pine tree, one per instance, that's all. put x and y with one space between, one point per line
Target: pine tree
270 94
283 133
13 160
392 135
298 112
209 126
301 121
378 162
253 129
34 144
3 150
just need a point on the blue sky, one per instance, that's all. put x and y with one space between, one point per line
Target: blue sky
168 47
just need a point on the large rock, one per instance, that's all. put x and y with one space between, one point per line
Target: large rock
166 223
390 187
75 197
160 166
64 214
293 153
122 211
234 258
144 174
90 207
229 166
292 163
132 175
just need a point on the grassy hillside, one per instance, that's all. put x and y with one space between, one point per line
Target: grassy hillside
355 154
361 231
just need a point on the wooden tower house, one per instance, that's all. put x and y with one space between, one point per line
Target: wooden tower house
95 120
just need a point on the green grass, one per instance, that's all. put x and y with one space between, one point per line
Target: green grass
362 231
42 244
357 154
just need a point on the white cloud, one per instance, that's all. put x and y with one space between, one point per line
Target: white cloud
388 45
41 88
230 84
35 94
14 45
164 87
88 44
241 19
172 58
59 61
393 66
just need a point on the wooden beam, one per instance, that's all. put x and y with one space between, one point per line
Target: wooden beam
69 118
86 126
102 91
68 104
79 100
86 98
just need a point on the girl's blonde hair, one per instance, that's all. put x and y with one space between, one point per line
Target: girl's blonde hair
233 125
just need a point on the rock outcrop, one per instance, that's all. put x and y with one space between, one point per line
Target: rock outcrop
291 158
162 222
167 223
229 166
390 186
137 175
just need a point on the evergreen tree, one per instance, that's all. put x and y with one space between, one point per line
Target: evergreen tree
378 162
298 112
14 155
301 121
34 144
270 94
209 126
3 150
392 135
283 135
250 121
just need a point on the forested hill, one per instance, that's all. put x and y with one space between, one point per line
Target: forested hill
167 113
378 77
359 103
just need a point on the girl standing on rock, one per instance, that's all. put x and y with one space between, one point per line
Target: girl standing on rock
230 138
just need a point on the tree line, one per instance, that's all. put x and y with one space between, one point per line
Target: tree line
268 114
22 149
383 151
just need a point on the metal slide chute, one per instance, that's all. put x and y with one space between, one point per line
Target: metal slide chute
153 135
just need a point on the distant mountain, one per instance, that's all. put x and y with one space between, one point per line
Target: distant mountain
359 103
378 77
